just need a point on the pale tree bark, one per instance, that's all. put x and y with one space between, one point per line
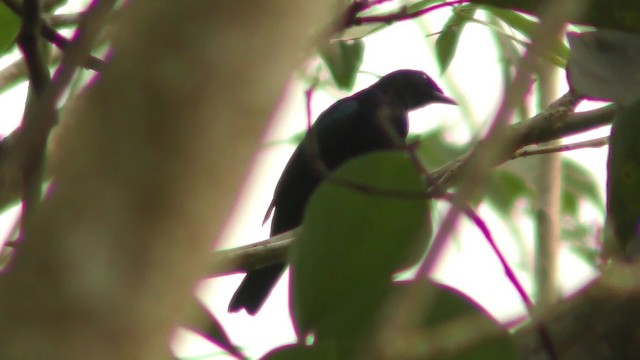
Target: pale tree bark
148 164
547 207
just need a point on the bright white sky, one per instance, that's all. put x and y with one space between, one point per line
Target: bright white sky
474 80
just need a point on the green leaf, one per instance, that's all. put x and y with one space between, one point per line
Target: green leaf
580 238
343 58
556 52
434 151
9 27
352 242
447 42
578 183
504 188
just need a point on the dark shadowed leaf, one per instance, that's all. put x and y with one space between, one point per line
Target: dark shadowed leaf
352 242
343 58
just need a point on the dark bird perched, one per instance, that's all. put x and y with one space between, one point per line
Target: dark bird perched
372 119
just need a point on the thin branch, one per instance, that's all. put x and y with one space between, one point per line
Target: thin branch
34 154
54 37
555 122
530 151
80 47
40 114
402 14
482 226
64 20
15 72
253 256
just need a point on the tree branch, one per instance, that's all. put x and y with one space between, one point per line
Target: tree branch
554 123
34 145
551 149
54 37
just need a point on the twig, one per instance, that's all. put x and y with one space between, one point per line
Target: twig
555 122
308 95
253 256
530 151
64 20
33 164
482 226
40 114
54 37
17 70
402 14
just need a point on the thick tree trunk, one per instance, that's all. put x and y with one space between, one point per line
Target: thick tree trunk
149 162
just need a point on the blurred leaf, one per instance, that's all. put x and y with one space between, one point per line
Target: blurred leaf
352 242
623 183
343 58
214 332
578 183
610 14
556 53
434 151
9 27
581 240
447 41
504 188
451 310
605 65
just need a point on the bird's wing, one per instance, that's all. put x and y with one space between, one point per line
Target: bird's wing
327 128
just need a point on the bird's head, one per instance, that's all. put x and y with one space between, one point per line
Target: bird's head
411 89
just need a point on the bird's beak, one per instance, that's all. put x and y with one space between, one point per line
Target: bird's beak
443 99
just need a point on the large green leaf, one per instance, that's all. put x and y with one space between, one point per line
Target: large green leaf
352 241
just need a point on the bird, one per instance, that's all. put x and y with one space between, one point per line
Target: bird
375 118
